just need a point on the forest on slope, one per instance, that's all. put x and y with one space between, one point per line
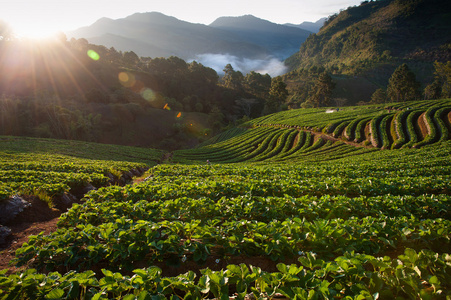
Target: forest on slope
71 89
361 46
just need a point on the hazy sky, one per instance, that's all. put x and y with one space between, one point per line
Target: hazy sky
43 17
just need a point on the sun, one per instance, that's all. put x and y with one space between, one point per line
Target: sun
35 31
34 19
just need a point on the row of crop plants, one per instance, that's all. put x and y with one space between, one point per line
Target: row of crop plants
416 275
322 118
264 143
51 168
395 130
372 225
390 127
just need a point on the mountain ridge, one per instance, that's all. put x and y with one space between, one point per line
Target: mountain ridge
279 39
309 26
379 32
172 36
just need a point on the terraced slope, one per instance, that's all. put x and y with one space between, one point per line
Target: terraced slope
319 134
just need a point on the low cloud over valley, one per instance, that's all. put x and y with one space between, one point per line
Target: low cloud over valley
271 65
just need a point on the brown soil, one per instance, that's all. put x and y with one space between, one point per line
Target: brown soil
367 131
296 140
317 135
447 120
32 221
422 126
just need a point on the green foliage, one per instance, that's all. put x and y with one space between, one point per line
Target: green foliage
266 138
402 85
334 219
49 169
321 93
341 227
277 96
409 275
257 84
379 96
443 76
232 79
372 39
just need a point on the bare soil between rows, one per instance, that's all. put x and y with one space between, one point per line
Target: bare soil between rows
39 217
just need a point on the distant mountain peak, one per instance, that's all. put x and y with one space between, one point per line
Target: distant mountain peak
155 34
153 17
249 21
310 26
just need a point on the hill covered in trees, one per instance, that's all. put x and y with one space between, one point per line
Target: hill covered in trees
363 45
363 37
71 89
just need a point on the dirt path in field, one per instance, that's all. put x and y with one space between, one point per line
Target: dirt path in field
37 218
33 220
317 135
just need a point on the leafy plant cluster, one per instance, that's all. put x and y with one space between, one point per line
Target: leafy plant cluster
50 168
337 224
413 274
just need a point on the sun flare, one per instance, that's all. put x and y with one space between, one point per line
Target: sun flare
35 31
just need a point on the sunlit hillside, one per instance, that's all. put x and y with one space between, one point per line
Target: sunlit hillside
319 134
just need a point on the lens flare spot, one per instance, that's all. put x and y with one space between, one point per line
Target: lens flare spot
179 115
166 106
93 55
127 79
148 94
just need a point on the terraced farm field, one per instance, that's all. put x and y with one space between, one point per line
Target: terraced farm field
324 134
287 206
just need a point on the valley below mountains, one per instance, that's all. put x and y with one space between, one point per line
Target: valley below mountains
250 42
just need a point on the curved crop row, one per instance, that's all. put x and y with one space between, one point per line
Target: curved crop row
394 127
273 142
438 117
282 141
349 132
360 130
412 123
375 125
432 135
353 275
339 129
385 131
400 136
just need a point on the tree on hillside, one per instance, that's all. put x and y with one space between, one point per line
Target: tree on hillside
443 75
321 93
402 85
215 118
257 84
277 95
433 90
232 79
131 58
379 96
